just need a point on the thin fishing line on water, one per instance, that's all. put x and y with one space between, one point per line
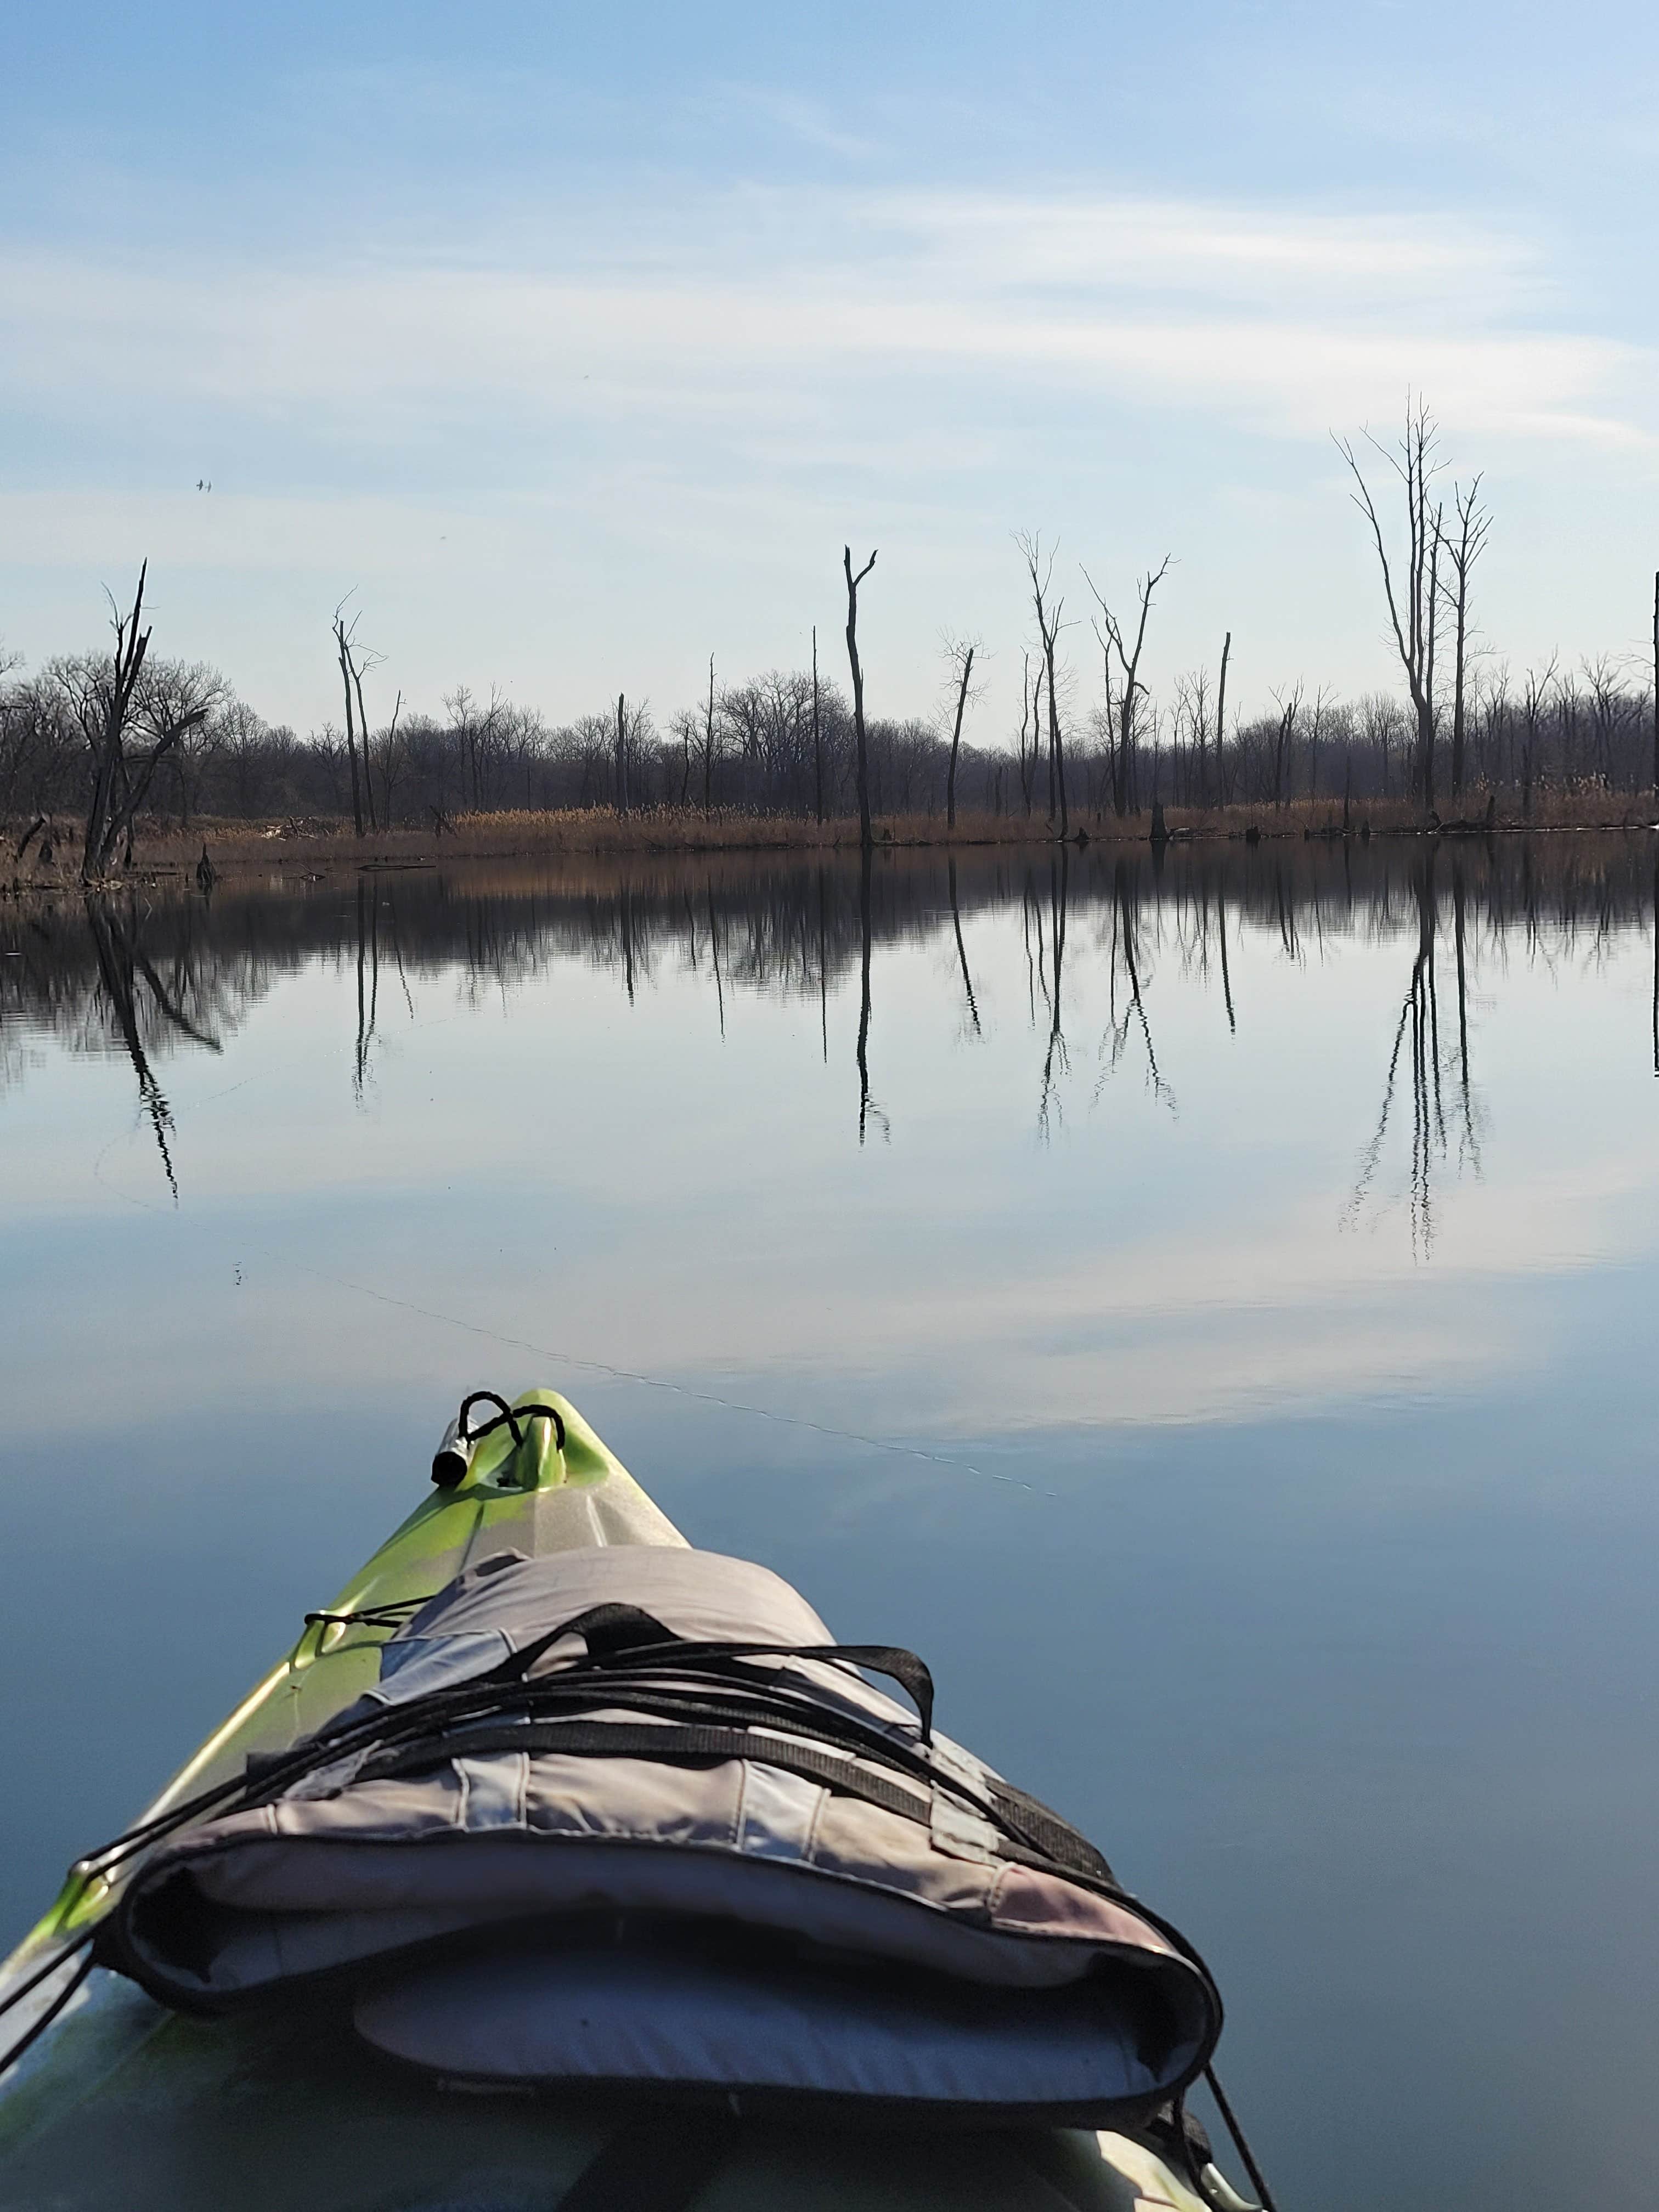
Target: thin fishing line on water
663 1383
616 1373
590 1366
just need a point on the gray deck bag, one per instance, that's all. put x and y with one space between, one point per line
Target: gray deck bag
574 1836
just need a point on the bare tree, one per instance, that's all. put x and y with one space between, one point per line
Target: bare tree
1192 736
710 744
959 656
345 636
1110 634
131 713
479 736
867 836
1290 706
1412 605
1223 771
393 758
1049 610
358 661
621 754
817 734
1462 551
1534 702
1494 726
1608 709
1030 719
1323 706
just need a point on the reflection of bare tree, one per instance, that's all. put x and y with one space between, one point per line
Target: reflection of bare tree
1029 912
1055 1061
123 967
1284 911
398 955
714 955
868 1111
962 950
824 974
785 928
369 982
1129 1017
1470 1140
1226 973
1419 1024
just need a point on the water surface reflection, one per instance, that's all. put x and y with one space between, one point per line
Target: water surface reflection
1199 1299
151 974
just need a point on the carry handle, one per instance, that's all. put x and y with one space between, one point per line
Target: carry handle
460 1439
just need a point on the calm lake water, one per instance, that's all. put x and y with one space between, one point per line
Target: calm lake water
1215 1325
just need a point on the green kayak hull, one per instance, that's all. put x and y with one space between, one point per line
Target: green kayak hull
120 2106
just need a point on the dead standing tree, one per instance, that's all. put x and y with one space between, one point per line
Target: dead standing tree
1224 782
350 679
817 734
700 731
959 656
1412 604
1462 551
1290 706
130 722
1040 573
1031 717
867 836
1110 636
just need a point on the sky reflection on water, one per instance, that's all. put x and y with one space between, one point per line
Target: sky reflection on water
1236 1384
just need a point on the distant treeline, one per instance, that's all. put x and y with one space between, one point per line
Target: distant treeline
777 743
116 738
758 746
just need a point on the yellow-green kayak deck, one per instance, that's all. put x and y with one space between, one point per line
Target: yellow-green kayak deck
121 2106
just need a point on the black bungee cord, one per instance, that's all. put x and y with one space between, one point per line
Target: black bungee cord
32 1982
1264 2194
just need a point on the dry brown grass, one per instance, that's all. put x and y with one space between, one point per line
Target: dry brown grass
242 849
1550 809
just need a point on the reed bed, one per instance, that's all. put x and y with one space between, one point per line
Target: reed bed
236 848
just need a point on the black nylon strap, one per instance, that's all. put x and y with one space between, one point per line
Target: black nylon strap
1049 1837
637 1640
668 1742
717 1693
661 2167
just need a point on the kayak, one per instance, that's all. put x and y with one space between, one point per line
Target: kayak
113 2100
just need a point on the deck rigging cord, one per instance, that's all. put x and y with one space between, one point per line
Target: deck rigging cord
38 2027
1264 2194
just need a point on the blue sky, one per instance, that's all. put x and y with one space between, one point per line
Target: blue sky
575 342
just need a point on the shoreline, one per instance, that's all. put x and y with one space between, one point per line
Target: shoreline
234 849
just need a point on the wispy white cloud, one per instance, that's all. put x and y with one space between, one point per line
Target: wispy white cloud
1294 321
806 120
730 379
1080 241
